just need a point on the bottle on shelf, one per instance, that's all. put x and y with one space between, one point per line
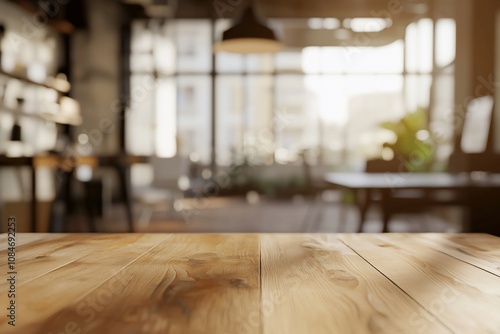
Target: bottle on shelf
2 34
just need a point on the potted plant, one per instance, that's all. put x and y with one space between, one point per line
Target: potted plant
413 149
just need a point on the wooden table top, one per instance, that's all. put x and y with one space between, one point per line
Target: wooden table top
411 181
250 283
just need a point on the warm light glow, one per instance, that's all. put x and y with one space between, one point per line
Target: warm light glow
382 59
331 23
248 45
476 125
334 95
425 45
369 24
206 173
166 120
311 59
253 197
412 48
343 34
15 149
315 23
446 41
84 173
183 183
423 135
387 154
37 72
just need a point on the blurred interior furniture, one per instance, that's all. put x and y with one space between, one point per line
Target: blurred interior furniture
65 167
386 184
314 192
161 195
474 143
405 198
474 153
121 165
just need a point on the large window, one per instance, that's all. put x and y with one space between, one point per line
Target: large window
268 108
170 107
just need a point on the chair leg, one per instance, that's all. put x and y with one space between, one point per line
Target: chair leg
386 211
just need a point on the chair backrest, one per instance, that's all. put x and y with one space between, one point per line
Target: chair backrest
474 145
477 135
383 166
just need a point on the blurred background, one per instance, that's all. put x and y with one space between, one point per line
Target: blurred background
120 115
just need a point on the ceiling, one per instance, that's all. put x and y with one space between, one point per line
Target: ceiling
399 9
295 30
342 8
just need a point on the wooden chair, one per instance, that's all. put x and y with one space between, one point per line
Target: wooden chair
369 198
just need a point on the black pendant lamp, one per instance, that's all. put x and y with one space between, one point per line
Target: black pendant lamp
249 35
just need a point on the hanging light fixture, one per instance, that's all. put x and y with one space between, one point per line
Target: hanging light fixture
249 35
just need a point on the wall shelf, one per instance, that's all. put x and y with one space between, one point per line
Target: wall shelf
60 85
55 118
62 119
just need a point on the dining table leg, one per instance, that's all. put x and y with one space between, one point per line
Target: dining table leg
123 174
386 210
33 204
364 203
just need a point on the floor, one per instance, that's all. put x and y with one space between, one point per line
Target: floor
216 215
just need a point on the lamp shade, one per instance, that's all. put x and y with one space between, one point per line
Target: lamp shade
249 35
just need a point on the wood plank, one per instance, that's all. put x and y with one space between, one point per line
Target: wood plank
26 238
184 284
188 284
465 298
39 299
192 283
55 251
316 284
480 250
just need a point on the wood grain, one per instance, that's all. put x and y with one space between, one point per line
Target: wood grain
56 289
186 284
480 250
27 238
249 284
316 284
465 298
41 256
155 284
